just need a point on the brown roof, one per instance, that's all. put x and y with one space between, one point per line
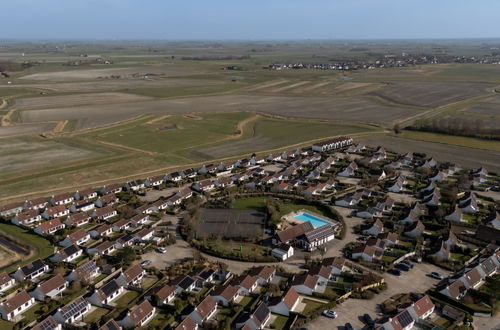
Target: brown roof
77 217
165 292
52 284
77 235
62 197
50 224
16 301
305 279
131 273
321 271
473 276
488 234
456 288
104 245
226 291
105 210
27 215
337 262
264 271
55 209
187 324
102 228
290 298
423 305
4 278
205 307
295 231
248 282
110 325
47 324
85 269
139 312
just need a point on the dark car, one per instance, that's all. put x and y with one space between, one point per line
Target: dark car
394 271
368 320
436 275
406 262
348 326
402 266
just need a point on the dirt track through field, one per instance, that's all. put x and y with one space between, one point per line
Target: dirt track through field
60 126
120 146
266 85
152 121
312 87
285 88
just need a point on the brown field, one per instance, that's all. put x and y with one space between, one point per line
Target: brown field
267 85
484 109
8 257
494 99
467 157
15 152
24 129
350 85
487 121
129 73
76 99
117 84
431 94
361 109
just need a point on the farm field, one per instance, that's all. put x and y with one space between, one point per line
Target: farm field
270 133
25 129
362 109
76 99
104 73
21 154
465 156
114 84
431 94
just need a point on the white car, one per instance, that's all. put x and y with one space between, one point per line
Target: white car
329 313
161 250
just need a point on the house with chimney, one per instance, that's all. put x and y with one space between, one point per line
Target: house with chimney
106 294
205 311
285 304
73 312
50 288
16 305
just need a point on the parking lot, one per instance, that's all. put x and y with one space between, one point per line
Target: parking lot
352 310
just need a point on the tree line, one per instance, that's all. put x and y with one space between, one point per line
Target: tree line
469 127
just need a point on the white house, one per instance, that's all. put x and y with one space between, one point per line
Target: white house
106 293
50 288
205 310
286 304
73 312
16 305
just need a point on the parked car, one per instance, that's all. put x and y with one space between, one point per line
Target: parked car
161 250
394 271
145 263
436 275
408 263
348 326
329 313
402 266
368 320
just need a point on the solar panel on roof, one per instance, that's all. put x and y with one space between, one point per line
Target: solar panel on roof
47 325
405 319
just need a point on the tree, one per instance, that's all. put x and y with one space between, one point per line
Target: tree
125 256
396 129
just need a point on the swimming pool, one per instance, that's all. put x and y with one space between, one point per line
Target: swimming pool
315 221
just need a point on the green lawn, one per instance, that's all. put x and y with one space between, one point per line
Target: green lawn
311 306
334 291
40 245
124 300
233 247
96 315
281 323
161 321
250 203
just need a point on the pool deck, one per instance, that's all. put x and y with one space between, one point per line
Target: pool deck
290 217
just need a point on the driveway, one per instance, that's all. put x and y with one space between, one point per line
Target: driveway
353 309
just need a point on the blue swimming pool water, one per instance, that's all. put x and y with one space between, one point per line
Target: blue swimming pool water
316 222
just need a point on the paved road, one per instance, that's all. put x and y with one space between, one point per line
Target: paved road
352 309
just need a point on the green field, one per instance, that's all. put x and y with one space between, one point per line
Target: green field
40 245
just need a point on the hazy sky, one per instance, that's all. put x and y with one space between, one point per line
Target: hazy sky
248 19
